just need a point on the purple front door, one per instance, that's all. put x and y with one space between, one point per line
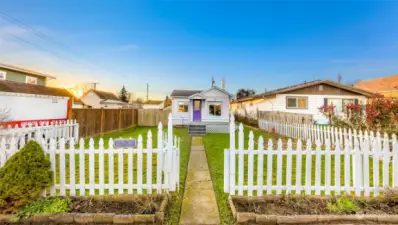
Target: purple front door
197 114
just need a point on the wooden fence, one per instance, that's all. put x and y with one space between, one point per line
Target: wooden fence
285 117
81 171
97 121
152 117
345 169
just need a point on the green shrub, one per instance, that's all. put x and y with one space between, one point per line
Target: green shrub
343 205
45 205
23 177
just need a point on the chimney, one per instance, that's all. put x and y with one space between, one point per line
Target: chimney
223 83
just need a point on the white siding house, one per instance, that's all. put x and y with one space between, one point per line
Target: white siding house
304 98
100 99
209 108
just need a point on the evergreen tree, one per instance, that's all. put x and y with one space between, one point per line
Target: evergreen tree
123 95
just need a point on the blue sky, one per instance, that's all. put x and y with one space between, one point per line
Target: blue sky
183 44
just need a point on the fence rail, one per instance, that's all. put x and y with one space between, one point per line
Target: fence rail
306 169
105 170
286 117
68 129
321 133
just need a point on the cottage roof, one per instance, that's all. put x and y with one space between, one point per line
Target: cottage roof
16 87
184 93
308 84
104 95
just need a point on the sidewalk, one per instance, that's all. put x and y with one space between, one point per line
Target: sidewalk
199 205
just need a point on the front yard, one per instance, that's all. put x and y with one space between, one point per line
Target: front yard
175 205
216 143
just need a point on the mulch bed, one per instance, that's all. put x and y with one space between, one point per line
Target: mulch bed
143 205
312 206
290 209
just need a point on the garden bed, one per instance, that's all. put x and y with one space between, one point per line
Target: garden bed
279 209
108 209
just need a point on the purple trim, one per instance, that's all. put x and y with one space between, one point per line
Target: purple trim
197 114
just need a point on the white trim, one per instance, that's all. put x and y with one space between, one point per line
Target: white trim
30 77
31 95
212 103
3 73
185 103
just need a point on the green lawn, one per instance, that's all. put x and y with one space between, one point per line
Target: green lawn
175 207
215 145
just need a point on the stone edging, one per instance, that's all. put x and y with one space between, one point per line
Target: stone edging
94 218
245 217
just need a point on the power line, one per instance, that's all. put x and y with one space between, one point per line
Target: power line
35 45
52 40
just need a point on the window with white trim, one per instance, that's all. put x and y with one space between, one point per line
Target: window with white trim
31 80
182 107
296 102
3 75
215 109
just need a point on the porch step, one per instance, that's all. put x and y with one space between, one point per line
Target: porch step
194 130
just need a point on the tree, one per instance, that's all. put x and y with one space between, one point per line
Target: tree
123 95
167 102
4 117
242 93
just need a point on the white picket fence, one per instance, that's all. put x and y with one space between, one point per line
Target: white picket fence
99 171
68 130
321 133
322 170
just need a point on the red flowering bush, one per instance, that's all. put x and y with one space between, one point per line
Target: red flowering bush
382 114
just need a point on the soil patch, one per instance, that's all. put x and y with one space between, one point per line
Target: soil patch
292 205
143 205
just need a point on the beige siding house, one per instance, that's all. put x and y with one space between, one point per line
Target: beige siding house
305 98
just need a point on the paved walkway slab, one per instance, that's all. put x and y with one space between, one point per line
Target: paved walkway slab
199 205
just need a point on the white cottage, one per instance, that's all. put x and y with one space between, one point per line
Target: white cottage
202 111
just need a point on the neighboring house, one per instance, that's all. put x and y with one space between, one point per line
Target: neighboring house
153 104
202 110
101 99
28 103
386 86
305 98
22 75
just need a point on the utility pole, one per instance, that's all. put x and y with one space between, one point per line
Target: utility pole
147 91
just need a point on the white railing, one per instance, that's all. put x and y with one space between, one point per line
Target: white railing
303 169
321 133
108 170
68 130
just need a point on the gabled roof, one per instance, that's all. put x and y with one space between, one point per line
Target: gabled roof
308 84
16 87
104 95
380 84
23 70
184 93
188 93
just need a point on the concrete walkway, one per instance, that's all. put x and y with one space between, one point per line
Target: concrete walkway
199 205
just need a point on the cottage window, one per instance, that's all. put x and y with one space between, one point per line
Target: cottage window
3 75
340 104
31 80
215 109
297 102
182 107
